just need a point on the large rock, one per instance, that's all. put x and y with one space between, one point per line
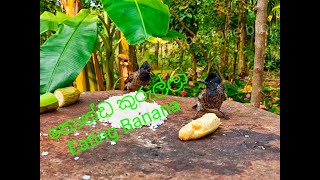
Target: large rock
246 146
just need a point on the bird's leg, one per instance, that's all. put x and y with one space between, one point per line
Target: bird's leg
224 115
219 113
196 115
199 107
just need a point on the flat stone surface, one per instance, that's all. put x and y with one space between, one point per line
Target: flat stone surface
246 146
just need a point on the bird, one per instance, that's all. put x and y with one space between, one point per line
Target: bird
212 97
139 78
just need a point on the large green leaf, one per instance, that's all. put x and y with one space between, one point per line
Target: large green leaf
138 20
167 2
64 55
171 35
49 21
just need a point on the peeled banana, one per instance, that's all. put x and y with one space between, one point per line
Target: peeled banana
200 127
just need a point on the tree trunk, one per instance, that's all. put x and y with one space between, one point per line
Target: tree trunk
265 44
162 63
225 57
156 54
124 46
181 46
133 57
194 64
209 66
72 7
120 34
164 50
125 65
234 63
252 38
97 71
109 73
235 55
260 39
91 76
242 60
143 48
108 65
81 81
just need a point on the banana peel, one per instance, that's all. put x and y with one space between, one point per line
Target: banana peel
48 102
67 96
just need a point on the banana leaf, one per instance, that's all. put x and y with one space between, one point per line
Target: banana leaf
49 21
170 36
65 54
138 20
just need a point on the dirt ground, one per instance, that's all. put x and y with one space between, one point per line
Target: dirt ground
247 146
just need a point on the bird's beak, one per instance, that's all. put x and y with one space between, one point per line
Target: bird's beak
149 70
203 82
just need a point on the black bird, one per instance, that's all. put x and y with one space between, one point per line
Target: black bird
212 97
139 78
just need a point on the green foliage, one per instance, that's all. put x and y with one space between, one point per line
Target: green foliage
207 19
238 92
138 20
273 10
241 92
50 5
50 22
231 90
47 10
65 54
167 2
272 61
92 4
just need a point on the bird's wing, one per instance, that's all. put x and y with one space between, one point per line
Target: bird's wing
129 79
224 90
200 96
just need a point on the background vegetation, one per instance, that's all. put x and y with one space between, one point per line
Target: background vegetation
218 34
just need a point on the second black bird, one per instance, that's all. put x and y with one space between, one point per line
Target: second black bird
212 97
139 78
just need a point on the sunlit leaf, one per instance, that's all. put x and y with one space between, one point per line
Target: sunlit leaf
138 20
65 54
49 21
